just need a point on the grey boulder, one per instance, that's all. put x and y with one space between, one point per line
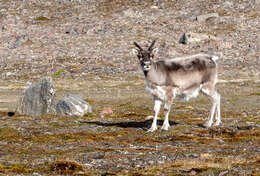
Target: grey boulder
38 98
191 37
73 105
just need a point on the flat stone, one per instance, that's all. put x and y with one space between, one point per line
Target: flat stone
203 18
191 37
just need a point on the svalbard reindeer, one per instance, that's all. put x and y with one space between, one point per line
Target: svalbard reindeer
182 77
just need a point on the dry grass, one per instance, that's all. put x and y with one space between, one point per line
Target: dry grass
64 142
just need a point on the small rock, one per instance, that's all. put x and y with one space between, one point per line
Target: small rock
19 40
38 98
36 174
154 7
73 105
72 32
193 172
9 74
129 68
228 3
131 13
183 39
223 173
203 18
106 111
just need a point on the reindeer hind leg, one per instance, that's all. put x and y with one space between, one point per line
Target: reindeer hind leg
215 98
218 116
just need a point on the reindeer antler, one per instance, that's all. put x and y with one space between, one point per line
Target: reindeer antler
138 46
151 46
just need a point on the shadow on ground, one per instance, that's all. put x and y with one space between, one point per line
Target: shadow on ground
133 124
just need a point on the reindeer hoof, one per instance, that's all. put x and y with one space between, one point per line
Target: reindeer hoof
152 129
218 123
165 127
208 124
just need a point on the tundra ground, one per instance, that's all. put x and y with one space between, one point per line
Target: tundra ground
118 144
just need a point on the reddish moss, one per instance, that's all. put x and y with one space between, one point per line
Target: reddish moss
66 167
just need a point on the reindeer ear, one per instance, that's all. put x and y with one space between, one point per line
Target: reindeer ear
155 51
134 52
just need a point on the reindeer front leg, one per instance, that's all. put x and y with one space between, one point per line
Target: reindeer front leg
167 108
157 107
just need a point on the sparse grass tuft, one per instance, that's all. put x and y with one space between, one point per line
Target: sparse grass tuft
8 134
57 73
42 18
255 93
15 168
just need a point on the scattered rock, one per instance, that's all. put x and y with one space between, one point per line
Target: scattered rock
106 111
223 173
18 41
154 7
9 74
38 99
72 31
73 105
203 18
131 13
228 3
36 174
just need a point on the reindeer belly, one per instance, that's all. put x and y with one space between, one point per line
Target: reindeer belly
187 93
176 92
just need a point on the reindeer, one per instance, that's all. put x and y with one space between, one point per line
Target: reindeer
182 77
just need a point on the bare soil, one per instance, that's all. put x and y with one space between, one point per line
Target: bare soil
84 46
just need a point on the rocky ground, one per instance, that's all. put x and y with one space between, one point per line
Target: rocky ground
84 45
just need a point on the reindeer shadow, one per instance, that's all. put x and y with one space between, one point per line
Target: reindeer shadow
132 124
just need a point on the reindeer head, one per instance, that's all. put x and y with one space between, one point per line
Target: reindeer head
145 57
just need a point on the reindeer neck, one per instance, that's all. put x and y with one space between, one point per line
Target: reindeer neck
149 75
